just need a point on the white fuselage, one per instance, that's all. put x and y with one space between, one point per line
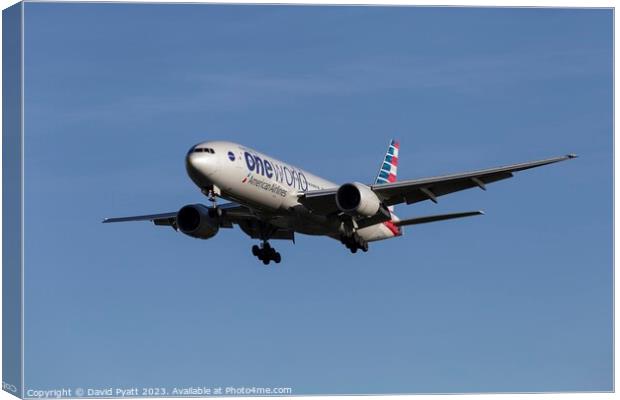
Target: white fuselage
268 186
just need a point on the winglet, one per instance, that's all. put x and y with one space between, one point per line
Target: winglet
572 155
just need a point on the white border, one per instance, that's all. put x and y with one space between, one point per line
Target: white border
475 3
23 137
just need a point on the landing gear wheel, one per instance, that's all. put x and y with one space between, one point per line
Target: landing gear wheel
271 253
266 253
354 243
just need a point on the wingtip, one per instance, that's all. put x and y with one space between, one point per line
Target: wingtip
481 212
572 155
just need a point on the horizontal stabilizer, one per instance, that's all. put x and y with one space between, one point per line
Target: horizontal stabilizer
435 218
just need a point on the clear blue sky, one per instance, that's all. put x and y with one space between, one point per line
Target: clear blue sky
517 300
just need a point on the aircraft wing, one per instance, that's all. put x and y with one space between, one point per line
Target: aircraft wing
149 217
416 190
231 213
413 191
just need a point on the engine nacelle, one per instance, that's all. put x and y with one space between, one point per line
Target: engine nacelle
199 221
357 199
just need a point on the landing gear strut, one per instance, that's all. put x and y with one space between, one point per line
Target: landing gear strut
354 243
266 253
211 192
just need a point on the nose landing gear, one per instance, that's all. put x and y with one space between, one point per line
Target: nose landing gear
266 253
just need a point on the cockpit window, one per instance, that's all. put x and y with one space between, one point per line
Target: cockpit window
204 150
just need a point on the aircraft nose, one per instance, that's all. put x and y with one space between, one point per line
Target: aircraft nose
201 162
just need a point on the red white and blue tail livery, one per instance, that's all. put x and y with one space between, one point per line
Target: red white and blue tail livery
387 174
389 168
270 199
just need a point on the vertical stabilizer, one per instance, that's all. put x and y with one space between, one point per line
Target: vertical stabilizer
389 167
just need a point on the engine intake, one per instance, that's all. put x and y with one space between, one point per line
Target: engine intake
199 221
357 199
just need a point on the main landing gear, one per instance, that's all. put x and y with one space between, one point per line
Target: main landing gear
354 243
266 253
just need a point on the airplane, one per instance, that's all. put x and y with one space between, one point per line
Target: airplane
270 199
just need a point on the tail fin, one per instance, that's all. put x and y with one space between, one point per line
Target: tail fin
389 167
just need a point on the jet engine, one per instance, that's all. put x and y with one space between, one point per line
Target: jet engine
199 221
357 199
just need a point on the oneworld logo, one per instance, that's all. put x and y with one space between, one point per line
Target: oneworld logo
280 173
